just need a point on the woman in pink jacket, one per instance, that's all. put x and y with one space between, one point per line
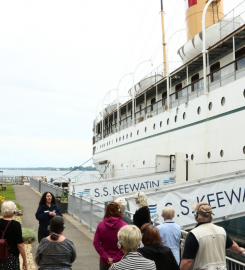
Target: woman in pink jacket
105 238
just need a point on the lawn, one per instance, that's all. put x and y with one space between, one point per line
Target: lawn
8 194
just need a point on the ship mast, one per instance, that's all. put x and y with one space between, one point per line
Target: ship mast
163 39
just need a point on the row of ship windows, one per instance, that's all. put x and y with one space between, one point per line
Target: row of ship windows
210 106
209 155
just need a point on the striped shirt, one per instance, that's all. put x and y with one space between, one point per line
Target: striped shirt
133 261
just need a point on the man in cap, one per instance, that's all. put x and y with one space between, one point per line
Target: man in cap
205 245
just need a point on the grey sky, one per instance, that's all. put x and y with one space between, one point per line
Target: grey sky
59 58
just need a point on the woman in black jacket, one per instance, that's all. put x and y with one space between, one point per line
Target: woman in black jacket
142 215
46 211
155 251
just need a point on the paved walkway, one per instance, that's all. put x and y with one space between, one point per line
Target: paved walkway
87 257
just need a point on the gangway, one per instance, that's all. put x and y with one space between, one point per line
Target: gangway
225 193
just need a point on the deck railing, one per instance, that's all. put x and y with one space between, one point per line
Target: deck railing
225 75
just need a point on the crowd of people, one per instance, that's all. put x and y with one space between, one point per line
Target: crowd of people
55 251
125 244
122 243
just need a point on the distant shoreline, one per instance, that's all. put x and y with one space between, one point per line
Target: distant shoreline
52 169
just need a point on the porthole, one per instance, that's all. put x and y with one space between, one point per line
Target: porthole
107 144
119 139
199 110
184 115
221 153
209 154
145 129
244 92
161 124
143 162
154 126
244 150
192 157
175 118
137 132
126 136
123 137
131 134
116 139
223 101
210 106
168 121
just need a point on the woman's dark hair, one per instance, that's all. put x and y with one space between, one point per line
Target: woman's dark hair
43 198
151 236
57 225
113 210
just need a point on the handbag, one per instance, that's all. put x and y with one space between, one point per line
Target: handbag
4 247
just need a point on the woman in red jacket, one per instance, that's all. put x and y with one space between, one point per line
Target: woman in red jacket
105 238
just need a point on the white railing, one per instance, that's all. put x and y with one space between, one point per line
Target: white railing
232 20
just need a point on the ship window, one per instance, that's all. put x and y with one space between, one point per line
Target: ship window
137 132
199 110
192 157
175 118
109 143
126 136
164 94
119 139
215 72
161 124
178 93
195 82
210 106
131 134
221 153
186 155
244 150
184 115
223 101
209 154
143 162
123 137
244 93
121 165
241 62
116 139
168 121
145 129
154 126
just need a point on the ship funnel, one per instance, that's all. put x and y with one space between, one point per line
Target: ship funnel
193 15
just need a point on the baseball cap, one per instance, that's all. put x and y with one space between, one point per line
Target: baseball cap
203 208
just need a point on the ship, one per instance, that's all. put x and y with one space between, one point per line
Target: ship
188 122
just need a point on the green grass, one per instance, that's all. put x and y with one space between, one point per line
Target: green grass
9 193
18 206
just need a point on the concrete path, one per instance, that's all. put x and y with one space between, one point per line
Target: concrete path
87 257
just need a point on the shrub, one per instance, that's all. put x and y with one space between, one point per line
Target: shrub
28 233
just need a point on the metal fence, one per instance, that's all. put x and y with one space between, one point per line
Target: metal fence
87 210
42 187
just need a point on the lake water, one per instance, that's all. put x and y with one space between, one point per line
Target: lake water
46 173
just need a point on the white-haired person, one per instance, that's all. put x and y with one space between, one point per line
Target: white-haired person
142 215
123 205
170 232
129 238
13 235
